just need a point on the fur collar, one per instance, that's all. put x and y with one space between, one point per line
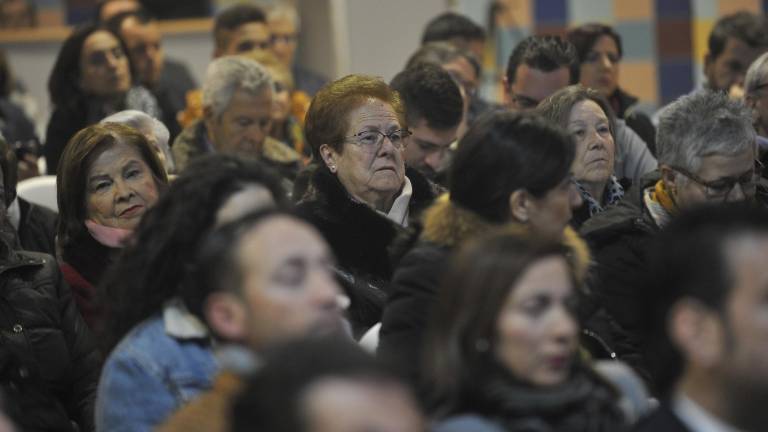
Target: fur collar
325 186
447 224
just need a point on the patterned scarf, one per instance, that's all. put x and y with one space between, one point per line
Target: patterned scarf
614 192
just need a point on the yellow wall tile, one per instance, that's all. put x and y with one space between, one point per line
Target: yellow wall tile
639 79
731 6
701 29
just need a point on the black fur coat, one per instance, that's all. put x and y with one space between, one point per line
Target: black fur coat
364 242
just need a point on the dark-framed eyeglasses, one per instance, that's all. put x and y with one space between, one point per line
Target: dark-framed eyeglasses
595 56
372 140
721 188
284 38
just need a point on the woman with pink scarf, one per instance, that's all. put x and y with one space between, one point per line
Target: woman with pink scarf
108 177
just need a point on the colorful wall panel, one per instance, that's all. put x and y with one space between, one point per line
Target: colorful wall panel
664 40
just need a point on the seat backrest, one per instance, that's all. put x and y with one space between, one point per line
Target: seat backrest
39 190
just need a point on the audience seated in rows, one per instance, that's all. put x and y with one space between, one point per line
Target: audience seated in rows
508 169
707 153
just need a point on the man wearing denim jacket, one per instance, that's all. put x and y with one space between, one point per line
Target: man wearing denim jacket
257 281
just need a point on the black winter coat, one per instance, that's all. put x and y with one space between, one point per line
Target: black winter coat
661 420
416 283
619 239
363 241
49 366
37 228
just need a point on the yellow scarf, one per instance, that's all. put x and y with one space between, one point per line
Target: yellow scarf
662 196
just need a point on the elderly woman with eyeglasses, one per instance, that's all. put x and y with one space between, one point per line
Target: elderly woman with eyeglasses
360 194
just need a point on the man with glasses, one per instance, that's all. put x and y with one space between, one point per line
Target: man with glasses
707 152
237 106
284 25
756 98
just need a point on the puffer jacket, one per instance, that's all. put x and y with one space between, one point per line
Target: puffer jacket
49 365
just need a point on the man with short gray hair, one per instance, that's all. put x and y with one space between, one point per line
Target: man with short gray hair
756 98
706 153
237 105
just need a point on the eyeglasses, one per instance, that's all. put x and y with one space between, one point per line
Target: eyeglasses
595 56
372 140
283 38
721 188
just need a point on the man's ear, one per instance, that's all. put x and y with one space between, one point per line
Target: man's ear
698 332
520 205
668 176
709 64
225 314
507 98
329 157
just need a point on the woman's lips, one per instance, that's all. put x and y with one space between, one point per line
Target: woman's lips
558 362
132 211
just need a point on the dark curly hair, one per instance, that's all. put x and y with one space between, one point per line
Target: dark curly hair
151 270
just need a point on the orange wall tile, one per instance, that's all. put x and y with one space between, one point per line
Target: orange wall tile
633 9
639 79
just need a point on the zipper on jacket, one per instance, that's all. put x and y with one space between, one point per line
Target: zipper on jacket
595 336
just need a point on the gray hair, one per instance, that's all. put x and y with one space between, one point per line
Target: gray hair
557 107
150 127
284 11
228 74
756 75
701 124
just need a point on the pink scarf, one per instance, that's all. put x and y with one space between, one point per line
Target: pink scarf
108 236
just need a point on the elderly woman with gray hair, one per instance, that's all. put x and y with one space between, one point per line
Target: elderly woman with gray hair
588 118
153 130
707 151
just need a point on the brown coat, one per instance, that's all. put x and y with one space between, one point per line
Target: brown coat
210 412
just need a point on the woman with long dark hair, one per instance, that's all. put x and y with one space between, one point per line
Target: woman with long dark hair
91 79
